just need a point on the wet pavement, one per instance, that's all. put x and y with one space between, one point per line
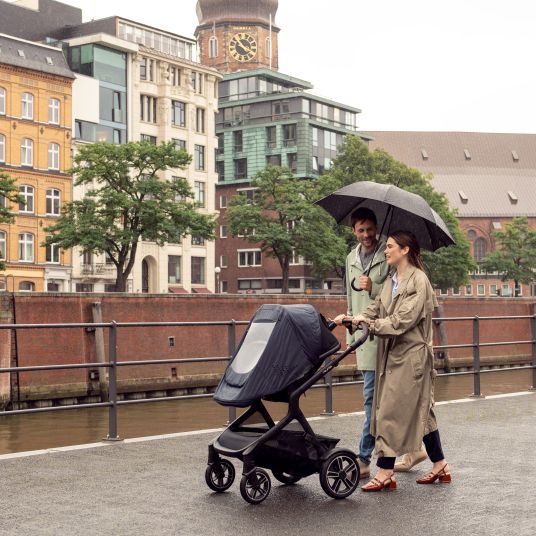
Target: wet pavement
157 486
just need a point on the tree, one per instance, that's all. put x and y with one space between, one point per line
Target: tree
9 194
128 201
515 256
448 267
283 220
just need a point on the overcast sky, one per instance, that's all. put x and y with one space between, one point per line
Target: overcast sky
407 64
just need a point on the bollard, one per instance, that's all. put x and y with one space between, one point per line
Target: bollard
112 384
231 345
533 332
476 359
328 382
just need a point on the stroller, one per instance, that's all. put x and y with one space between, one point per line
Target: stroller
281 355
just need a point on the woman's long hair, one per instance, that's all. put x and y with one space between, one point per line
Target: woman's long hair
407 239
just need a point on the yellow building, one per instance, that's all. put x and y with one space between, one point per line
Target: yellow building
35 149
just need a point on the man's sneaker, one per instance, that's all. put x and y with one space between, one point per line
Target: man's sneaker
410 460
364 468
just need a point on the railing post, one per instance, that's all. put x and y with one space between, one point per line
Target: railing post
231 346
476 359
112 384
328 394
533 332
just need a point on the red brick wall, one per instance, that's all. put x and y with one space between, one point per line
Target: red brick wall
39 347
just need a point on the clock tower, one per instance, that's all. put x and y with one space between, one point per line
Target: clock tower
237 35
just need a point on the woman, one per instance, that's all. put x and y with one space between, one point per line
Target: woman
401 317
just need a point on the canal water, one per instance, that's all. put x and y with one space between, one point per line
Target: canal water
48 430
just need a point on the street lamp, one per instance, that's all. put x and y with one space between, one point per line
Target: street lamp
217 271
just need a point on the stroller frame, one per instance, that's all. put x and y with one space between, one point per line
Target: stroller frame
251 444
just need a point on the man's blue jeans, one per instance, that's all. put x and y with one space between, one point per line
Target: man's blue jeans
366 445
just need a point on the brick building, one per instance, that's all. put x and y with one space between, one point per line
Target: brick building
488 178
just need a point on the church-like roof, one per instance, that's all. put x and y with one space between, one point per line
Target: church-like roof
215 11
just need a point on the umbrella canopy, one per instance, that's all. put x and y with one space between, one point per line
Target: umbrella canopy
395 209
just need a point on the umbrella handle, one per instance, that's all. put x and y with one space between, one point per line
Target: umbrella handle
352 284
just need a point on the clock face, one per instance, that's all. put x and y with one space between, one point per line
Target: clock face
243 47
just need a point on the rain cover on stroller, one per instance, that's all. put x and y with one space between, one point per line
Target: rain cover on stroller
282 345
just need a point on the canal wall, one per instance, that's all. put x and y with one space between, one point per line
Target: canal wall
61 346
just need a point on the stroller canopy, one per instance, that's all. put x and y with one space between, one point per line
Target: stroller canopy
282 345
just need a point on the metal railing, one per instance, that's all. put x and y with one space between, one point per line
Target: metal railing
328 385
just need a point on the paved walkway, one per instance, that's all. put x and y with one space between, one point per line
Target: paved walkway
157 487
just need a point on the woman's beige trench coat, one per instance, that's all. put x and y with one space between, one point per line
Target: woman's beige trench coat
403 395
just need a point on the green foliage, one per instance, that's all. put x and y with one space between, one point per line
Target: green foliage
9 195
127 201
448 267
285 220
515 256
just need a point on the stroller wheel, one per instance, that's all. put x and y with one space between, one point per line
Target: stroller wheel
286 478
255 486
339 474
220 477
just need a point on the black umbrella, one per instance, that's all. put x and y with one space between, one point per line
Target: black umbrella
395 209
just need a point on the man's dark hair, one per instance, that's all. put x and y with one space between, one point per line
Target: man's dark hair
362 214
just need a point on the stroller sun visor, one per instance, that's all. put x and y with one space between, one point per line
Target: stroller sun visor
283 344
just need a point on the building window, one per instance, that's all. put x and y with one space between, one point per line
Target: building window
456 291
148 107
213 47
271 137
223 231
174 269
179 144
481 290
268 47
493 290
53 156
315 163
53 287
468 290
84 287
3 245
198 270
199 193
249 258
150 139
249 284
220 170
175 76
241 168
178 114
26 247
292 161
199 156
27 106
2 101
2 148
200 120
480 249
273 160
224 261
53 197
223 201
197 82
506 290
198 241
26 152
54 111
53 253
27 193
238 141
147 69
26 286
289 135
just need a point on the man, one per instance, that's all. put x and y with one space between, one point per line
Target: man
366 270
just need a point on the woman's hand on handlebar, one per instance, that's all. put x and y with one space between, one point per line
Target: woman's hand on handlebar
339 319
359 319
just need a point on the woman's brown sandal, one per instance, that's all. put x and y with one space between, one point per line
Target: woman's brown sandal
388 484
431 477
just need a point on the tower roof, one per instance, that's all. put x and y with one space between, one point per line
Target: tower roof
215 11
